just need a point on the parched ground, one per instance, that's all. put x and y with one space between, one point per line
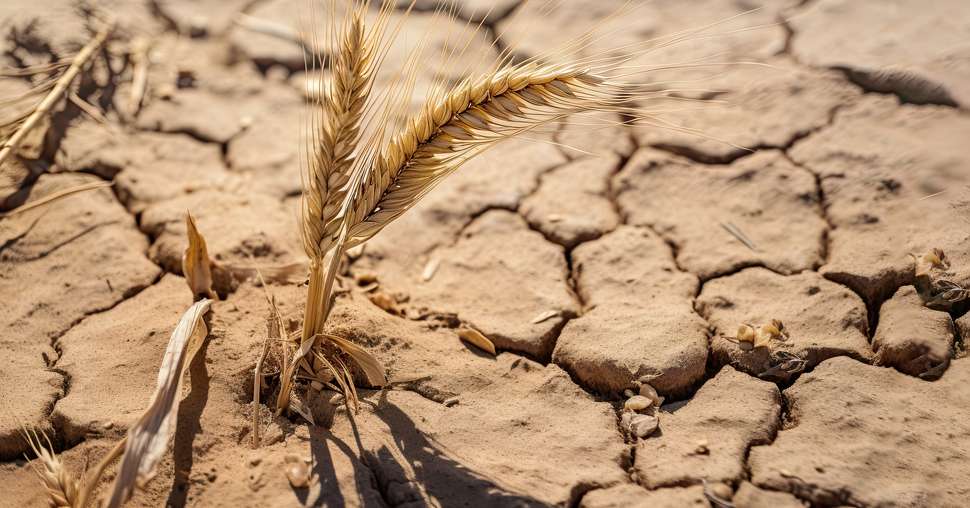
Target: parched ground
594 258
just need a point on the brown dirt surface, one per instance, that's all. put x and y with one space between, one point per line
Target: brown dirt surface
801 184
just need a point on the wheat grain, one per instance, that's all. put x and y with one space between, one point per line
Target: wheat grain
335 138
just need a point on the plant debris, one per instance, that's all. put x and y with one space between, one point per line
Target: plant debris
934 282
477 339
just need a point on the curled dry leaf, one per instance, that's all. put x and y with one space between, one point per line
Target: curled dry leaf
148 438
196 265
477 339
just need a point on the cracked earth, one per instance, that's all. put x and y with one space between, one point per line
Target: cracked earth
594 258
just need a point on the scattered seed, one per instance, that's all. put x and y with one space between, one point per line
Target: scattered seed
336 400
702 448
365 278
637 403
477 339
316 385
370 287
649 392
628 393
430 269
554 218
385 302
451 402
549 314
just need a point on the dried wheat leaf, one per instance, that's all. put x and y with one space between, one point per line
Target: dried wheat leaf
196 265
371 366
148 438
477 339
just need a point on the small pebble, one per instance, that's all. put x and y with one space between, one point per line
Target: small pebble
644 425
637 403
297 472
365 278
451 402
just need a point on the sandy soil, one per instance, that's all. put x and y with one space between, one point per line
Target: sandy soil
592 270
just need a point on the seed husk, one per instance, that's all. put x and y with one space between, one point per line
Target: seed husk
477 339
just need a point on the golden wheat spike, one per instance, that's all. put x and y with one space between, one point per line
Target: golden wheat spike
453 128
341 109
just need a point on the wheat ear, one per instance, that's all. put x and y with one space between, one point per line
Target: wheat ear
459 125
61 486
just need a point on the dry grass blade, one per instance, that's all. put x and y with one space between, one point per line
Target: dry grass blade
196 265
54 196
371 367
477 339
140 61
148 438
61 486
63 83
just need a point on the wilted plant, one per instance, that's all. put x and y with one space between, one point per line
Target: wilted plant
364 170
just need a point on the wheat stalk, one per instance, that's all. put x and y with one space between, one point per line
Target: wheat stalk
60 87
330 160
356 187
